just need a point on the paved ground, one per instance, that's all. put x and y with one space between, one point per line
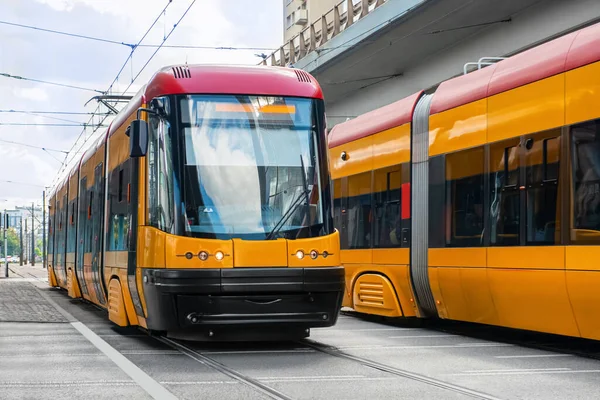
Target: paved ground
68 349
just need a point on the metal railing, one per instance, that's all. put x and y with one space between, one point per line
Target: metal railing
319 32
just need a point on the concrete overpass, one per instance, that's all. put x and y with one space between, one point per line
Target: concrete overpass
397 47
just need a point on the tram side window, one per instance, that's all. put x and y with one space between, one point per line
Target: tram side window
464 198
337 204
160 175
358 215
542 156
119 208
96 205
504 190
82 221
71 236
387 229
50 249
585 158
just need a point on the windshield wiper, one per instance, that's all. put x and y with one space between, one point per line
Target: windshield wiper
295 204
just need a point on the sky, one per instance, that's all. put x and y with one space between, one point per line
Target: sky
94 65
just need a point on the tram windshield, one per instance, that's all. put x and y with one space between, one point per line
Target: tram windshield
250 167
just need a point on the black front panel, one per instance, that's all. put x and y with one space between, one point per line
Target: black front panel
181 298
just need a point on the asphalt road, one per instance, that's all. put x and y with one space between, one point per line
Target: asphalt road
52 347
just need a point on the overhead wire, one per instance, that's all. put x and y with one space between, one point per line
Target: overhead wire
44 124
52 118
67 160
47 112
159 47
130 84
32 146
62 33
21 183
50 154
131 45
22 78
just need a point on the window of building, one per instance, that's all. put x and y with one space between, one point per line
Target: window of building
585 175
505 194
464 198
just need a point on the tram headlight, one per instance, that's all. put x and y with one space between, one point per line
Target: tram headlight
314 254
300 254
219 255
203 255
325 254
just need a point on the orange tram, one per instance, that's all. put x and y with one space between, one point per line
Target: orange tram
205 211
479 200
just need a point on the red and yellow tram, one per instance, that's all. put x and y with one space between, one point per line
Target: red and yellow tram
205 208
480 201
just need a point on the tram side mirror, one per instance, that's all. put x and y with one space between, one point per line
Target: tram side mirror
138 138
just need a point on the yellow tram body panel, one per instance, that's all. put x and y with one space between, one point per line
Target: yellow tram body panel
512 129
149 236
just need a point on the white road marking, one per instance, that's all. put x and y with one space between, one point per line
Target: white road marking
109 335
68 335
50 384
441 346
532 372
476 371
284 380
258 351
270 378
198 382
53 355
420 336
326 379
152 352
371 330
536 356
152 387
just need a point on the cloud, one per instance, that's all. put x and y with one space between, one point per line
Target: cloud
93 64
36 94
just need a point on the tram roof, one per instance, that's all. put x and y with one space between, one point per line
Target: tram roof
563 54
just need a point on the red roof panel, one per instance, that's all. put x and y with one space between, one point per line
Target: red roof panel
228 79
585 48
532 65
381 119
462 90
557 56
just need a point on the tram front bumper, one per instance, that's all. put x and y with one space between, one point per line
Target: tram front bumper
182 299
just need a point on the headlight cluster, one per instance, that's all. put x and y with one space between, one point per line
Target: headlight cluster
203 255
313 254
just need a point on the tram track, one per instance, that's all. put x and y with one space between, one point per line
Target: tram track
575 346
332 351
222 368
325 349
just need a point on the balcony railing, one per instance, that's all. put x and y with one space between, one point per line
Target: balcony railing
319 32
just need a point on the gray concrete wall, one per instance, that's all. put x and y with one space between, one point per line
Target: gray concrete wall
533 25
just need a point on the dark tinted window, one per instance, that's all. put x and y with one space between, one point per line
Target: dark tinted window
505 197
585 158
358 216
542 156
387 229
464 198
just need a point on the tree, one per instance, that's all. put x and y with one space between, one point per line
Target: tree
12 242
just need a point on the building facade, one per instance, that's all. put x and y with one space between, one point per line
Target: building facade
299 14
